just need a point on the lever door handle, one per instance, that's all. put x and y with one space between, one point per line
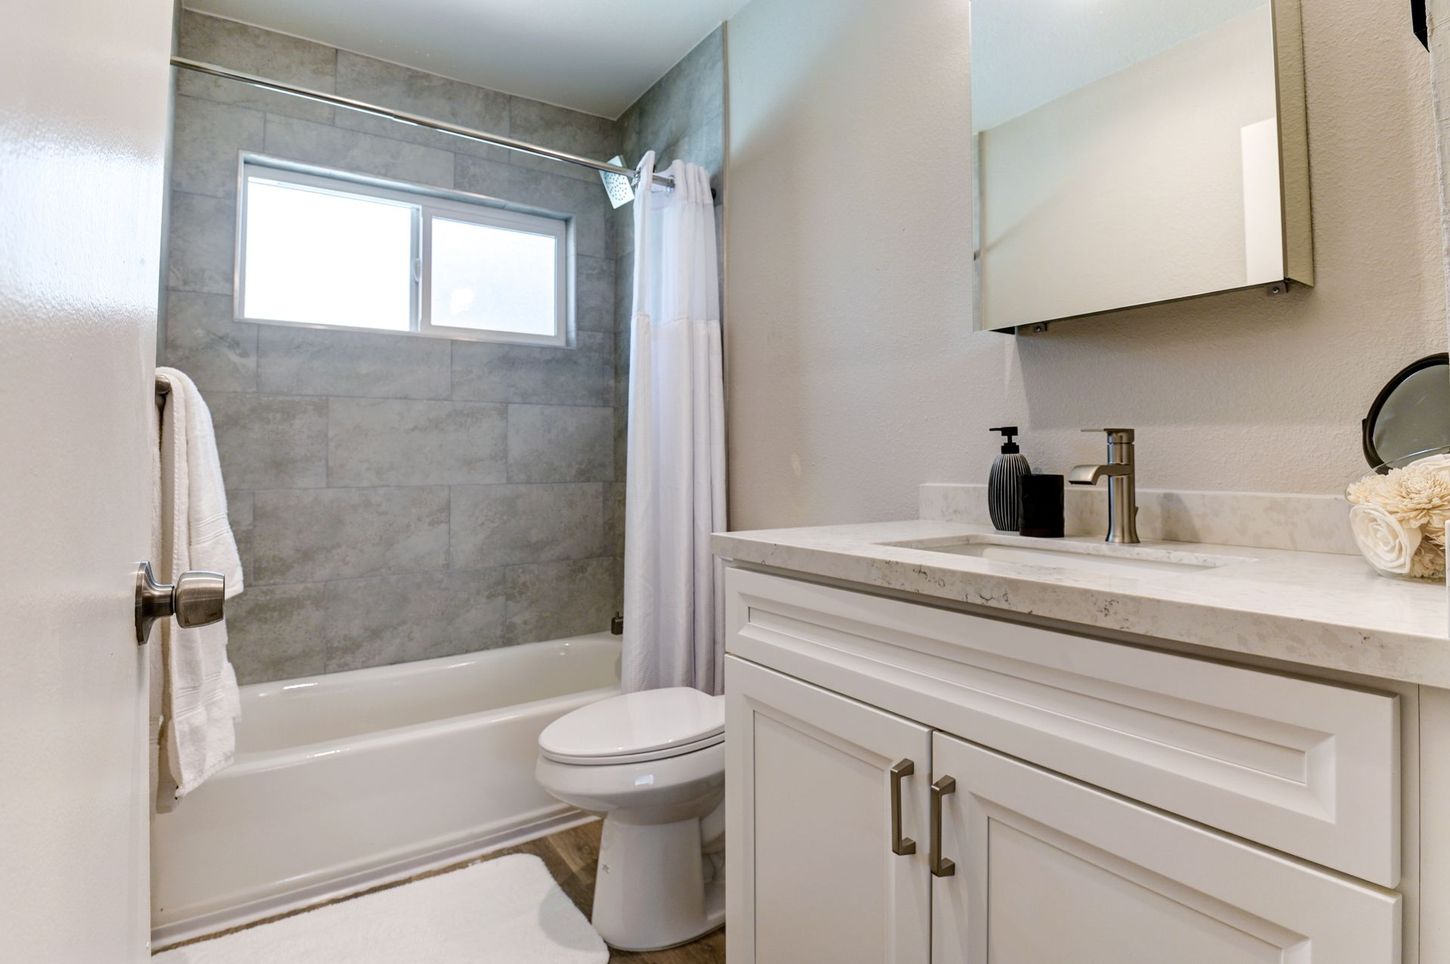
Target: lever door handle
940 866
901 846
198 598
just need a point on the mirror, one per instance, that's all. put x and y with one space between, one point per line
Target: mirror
1410 418
1131 152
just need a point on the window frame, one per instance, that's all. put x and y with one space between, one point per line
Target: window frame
493 218
427 203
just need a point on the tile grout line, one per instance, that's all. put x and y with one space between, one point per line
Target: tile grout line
508 461
451 391
388 574
395 398
271 489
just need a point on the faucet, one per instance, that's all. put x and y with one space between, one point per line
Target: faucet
1122 484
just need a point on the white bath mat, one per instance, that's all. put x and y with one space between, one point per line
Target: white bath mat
507 910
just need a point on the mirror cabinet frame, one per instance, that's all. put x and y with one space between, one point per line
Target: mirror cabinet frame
1295 204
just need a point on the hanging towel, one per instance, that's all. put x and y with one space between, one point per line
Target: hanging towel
199 704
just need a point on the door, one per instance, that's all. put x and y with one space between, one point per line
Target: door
1049 869
84 103
815 870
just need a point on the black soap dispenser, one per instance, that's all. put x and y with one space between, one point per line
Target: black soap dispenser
1004 487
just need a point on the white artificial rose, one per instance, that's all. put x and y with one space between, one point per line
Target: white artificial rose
1387 545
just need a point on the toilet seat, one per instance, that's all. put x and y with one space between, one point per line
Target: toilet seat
636 728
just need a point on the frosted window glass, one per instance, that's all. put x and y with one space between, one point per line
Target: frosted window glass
492 278
322 258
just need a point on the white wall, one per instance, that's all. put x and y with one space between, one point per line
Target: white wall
852 371
1131 189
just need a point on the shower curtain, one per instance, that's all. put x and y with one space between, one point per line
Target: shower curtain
675 474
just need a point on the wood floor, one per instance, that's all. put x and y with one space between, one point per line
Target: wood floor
571 856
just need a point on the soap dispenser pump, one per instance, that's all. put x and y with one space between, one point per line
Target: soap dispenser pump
1004 486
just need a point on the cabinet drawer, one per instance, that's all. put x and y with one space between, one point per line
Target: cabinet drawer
1308 768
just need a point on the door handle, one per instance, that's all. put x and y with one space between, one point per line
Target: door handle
901 846
198 598
940 866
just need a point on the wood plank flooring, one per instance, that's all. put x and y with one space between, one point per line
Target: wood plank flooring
571 856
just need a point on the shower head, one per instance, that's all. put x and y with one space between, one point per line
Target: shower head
617 186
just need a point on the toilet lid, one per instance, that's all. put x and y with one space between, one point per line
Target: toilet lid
634 727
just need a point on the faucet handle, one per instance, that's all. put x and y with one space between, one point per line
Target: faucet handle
1118 435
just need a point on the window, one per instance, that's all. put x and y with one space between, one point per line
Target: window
324 248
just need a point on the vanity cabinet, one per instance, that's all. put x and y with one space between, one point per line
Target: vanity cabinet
1065 799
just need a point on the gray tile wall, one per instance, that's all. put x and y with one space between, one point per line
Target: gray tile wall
681 116
398 497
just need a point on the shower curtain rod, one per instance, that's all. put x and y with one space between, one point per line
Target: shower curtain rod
498 140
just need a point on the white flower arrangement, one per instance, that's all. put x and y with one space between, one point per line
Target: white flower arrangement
1399 519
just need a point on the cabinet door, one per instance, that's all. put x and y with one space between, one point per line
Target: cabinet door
813 872
1049 869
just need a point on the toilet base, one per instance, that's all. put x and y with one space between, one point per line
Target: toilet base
651 890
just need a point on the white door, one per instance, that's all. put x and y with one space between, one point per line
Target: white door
84 105
1049 869
817 871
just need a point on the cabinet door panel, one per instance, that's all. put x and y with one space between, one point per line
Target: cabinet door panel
1049 869
812 873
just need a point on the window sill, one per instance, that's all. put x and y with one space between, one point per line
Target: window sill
446 334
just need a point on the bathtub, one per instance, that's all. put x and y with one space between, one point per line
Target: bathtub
345 780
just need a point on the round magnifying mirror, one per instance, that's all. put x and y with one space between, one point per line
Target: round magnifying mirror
1411 417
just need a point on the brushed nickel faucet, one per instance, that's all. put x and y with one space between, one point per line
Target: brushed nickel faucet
1122 484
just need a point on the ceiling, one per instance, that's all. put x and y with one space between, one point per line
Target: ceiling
595 56
1026 53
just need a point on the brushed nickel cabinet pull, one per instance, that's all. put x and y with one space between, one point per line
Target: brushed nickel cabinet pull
901 846
940 866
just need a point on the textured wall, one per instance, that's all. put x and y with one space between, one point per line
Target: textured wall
396 497
852 370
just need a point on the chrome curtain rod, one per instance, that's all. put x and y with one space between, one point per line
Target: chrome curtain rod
498 140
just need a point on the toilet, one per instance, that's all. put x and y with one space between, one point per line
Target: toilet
654 764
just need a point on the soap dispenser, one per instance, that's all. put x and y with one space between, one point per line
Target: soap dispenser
1004 487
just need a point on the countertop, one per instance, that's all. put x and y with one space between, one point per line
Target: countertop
1311 608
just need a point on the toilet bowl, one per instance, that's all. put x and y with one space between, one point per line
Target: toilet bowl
654 764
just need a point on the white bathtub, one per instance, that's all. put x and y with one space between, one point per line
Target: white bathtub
348 779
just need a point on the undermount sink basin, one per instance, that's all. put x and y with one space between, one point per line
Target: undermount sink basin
1074 556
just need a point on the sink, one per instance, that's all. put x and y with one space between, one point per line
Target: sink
1074 556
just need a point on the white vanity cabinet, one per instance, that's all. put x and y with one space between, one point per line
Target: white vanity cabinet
1069 799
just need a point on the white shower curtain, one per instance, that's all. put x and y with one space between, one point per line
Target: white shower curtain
675 482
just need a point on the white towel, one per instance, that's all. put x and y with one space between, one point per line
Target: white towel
199 703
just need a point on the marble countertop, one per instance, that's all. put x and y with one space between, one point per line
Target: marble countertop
1312 608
